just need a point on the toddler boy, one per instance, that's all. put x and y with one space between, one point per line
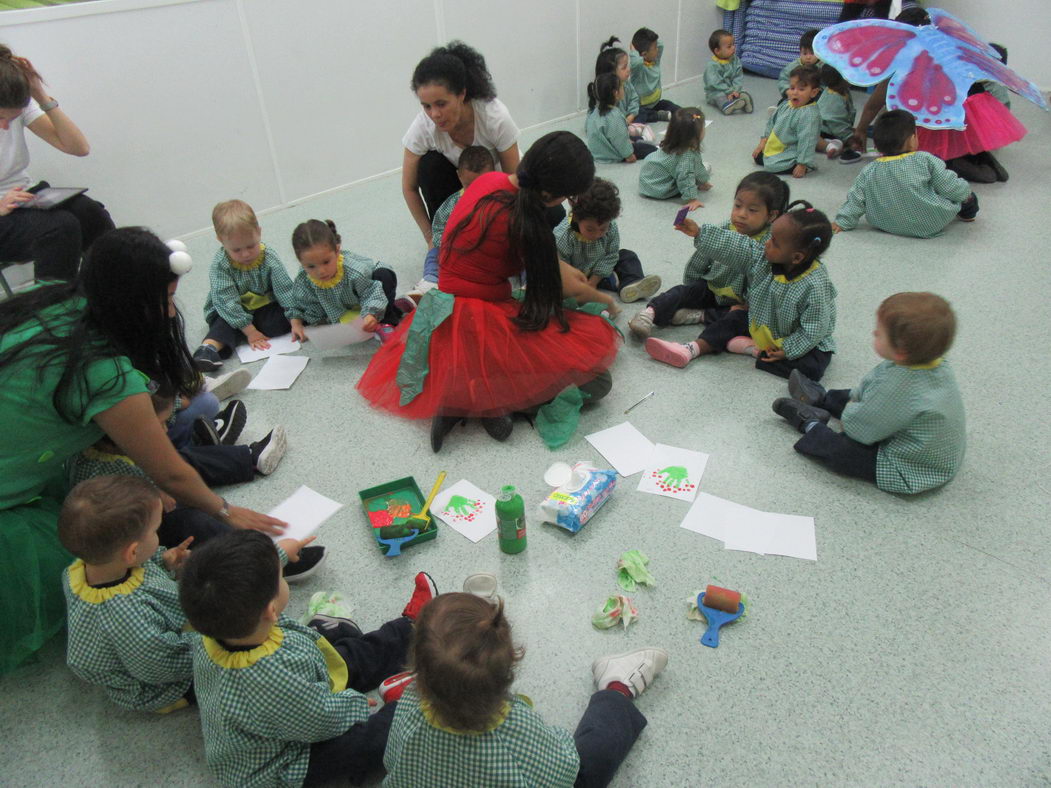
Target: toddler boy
644 59
807 57
723 76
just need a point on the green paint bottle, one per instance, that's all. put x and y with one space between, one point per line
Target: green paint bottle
510 520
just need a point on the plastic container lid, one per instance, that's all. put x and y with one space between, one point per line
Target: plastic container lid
558 474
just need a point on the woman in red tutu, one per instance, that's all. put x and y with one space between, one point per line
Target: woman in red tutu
470 348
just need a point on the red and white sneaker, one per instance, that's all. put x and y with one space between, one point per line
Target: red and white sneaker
634 669
424 592
390 689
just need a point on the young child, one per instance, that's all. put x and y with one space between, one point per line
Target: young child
474 161
645 62
459 724
905 191
806 58
126 629
614 60
710 287
249 289
792 132
836 107
282 703
903 427
677 169
724 77
606 127
791 310
588 239
332 283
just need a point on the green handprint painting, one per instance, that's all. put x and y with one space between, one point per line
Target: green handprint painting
459 506
673 476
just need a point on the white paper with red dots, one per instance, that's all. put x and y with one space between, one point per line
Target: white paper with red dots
673 472
466 509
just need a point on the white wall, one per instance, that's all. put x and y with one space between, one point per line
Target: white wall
189 103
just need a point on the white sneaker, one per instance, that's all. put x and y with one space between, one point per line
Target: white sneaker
225 386
687 317
273 451
641 325
644 289
481 584
634 669
833 148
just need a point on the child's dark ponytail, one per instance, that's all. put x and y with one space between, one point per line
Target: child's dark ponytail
608 56
813 230
313 232
684 131
603 92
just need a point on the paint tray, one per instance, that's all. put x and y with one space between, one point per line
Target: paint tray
388 508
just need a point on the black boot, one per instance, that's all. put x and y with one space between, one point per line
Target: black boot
969 168
804 389
440 427
797 414
499 428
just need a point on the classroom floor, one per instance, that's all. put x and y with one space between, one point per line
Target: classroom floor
913 651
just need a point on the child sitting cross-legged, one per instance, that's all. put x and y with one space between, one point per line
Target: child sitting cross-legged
905 191
282 703
903 427
588 239
724 77
458 723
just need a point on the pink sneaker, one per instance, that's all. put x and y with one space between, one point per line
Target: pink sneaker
674 353
424 592
405 304
745 346
384 331
391 688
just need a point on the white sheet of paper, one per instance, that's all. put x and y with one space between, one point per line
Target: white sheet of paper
743 528
793 535
624 447
673 472
337 335
466 509
278 345
304 511
279 372
711 516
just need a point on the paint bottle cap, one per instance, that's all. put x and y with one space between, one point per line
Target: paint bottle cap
558 474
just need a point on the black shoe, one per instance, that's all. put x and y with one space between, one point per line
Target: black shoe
797 414
206 358
230 421
334 625
310 560
968 168
204 433
988 159
849 157
499 428
440 427
804 389
969 208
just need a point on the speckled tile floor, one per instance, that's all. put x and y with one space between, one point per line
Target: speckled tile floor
914 651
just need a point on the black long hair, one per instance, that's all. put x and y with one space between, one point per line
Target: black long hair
813 233
459 68
608 56
602 93
124 283
558 164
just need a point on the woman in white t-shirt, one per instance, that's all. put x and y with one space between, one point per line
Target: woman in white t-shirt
53 239
460 108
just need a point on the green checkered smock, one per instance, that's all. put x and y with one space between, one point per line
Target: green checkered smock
837 114
791 137
441 217
594 258
519 751
94 462
915 414
665 175
261 709
129 638
725 280
646 76
607 135
722 77
784 78
234 293
629 105
910 194
351 288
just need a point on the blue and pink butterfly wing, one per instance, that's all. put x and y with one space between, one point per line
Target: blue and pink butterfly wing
868 51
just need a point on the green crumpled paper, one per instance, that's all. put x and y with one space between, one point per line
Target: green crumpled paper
615 610
632 571
326 603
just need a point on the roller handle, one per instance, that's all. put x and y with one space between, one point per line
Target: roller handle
434 492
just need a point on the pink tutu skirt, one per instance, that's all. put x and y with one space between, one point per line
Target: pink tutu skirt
990 125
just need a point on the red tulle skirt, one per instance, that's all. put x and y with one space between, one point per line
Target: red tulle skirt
482 364
990 125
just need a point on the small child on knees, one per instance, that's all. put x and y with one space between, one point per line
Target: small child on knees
332 283
127 632
710 287
645 63
905 191
807 57
791 310
459 724
282 703
249 289
792 132
676 169
588 239
724 77
903 427
836 108
606 127
474 161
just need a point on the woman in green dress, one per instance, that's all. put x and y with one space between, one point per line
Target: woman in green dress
78 361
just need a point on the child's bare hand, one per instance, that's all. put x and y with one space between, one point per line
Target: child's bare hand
771 356
705 186
799 171
836 228
631 159
757 151
369 323
693 205
293 546
689 227
739 307
167 501
175 557
256 338
299 331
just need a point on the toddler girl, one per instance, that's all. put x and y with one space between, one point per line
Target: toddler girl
836 108
606 127
792 131
791 310
710 287
459 724
677 168
614 60
333 284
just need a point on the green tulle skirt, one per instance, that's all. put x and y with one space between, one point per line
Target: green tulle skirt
32 605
